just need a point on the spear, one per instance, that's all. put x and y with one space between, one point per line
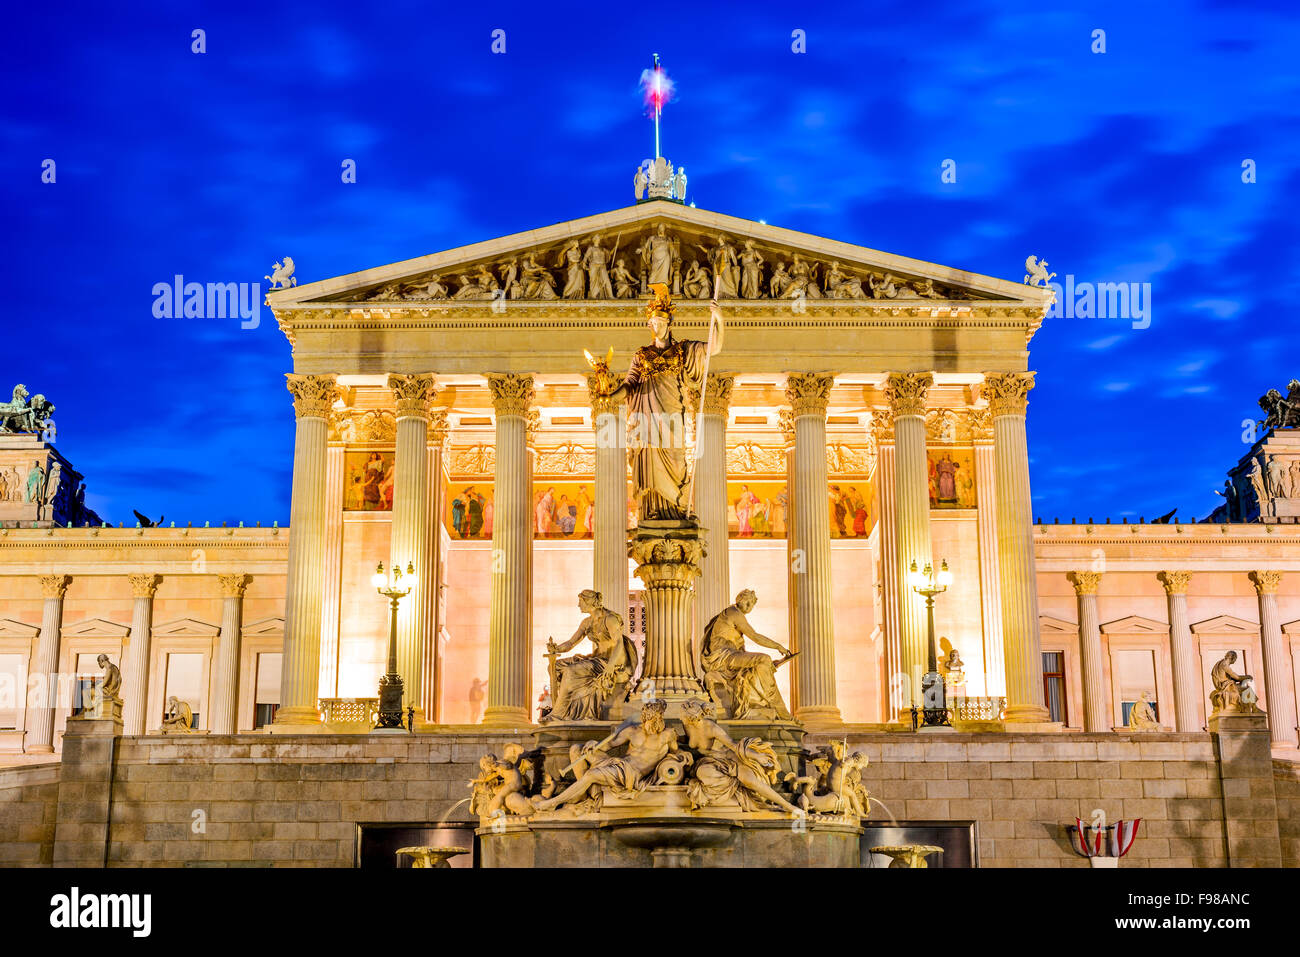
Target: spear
704 384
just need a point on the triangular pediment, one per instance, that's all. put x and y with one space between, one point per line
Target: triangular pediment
1225 625
1048 625
535 265
95 628
17 629
264 626
1135 625
186 628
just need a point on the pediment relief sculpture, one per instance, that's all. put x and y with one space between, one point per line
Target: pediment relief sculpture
690 264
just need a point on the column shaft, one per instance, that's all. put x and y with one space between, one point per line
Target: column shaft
1096 709
609 532
431 594
332 572
1182 655
814 638
510 643
40 721
714 591
1021 641
1279 687
135 680
897 683
995 674
225 704
304 583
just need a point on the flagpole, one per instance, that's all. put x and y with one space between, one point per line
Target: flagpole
658 80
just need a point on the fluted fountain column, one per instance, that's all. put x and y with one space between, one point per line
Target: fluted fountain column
609 534
814 669
1279 685
1182 653
906 394
135 680
509 648
313 396
714 591
413 395
1096 711
1008 395
40 721
225 703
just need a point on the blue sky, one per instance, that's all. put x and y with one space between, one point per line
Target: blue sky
1123 166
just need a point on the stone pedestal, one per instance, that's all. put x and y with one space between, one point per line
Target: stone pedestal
28 499
85 792
1250 811
1263 498
668 556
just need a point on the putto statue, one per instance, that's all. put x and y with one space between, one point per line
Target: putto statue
1279 412
586 685
503 785
742 682
656 387
22 414
649 741
837 787
744 773
282 275
1233 693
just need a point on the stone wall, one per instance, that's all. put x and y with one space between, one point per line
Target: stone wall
29 801
297 800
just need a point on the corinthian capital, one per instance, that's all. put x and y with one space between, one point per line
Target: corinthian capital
144 586
905 392
808 393
1007 392
439 429
232 586
1175 583
717 396
413 394
1085 583
512 394
313 395
1266 583
55 586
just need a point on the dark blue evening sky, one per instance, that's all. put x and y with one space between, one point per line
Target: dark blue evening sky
1123 166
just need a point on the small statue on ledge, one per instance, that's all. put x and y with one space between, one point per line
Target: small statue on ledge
838 787
1142 717
179 718
1233 693
100 699
586 685
742 682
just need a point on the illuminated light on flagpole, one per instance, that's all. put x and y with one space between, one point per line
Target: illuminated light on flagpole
658 90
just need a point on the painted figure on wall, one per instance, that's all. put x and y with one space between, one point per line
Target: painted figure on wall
952 478
469 512
745 506
368 481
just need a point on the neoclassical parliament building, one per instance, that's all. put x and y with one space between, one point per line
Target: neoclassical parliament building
863 418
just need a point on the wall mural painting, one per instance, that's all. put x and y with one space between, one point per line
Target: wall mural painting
952 478
563 510
469 510
853 509
757 509
368 481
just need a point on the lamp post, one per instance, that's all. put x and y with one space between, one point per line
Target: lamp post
930 583
390 585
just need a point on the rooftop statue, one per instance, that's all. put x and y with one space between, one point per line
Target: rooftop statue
656 387
22 414
1281 413
282 274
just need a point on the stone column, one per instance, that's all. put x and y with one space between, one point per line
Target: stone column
332 566
898 685
510 640
1278 680
814 637
225 704
1096 708
1008 397
409 543
714 591
906 393
431 593
986 520
313 395
1182 655
609 545
135 680
40 722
